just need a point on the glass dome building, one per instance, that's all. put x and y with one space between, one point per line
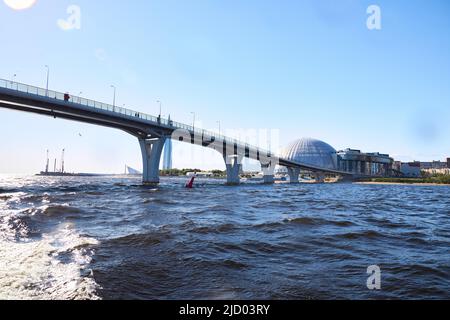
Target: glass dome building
313 152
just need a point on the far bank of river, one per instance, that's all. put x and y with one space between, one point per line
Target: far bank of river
429 181
404 183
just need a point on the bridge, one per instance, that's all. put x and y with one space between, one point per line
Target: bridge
150 131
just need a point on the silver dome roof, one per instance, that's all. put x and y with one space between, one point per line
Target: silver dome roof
313 152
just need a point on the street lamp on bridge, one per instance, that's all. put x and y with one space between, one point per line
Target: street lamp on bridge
218 122
160 108
193 122
12 80
48 76
114 99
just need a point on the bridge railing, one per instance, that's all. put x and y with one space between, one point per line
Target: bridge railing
51 94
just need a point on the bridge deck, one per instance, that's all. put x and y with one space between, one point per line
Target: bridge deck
23 97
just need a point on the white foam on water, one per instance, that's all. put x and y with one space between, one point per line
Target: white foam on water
56 267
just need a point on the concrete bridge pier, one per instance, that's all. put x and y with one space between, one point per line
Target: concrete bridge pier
294 174
234 168
269 173
151 156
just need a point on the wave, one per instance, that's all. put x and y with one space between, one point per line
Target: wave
95 193
269 225
12 227
368 234
5 198
51 210
59 210
304 221
221 228
159 201
342 223
12 190
36 269
141 239
234 264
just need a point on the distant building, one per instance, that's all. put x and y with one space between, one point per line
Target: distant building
311 151
366 164
411 169
416 168
320 154
445 171
433 165
397 166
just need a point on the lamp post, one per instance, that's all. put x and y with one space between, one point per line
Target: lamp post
12 80
114 99
48 77
79 97
160 108
193 122
218 122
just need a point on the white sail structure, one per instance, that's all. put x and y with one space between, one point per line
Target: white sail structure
132 172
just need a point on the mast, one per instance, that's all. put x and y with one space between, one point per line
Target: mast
46 166
62 161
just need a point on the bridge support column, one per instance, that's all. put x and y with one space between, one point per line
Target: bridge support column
294 174
151 156
234 166
269 173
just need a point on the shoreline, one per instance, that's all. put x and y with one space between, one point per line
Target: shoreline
403 183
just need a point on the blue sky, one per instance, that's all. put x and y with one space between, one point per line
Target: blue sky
305 68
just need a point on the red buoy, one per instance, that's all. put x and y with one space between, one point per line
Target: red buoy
190 184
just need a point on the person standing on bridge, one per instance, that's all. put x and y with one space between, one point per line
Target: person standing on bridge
66 97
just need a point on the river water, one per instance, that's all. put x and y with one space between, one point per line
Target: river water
112 238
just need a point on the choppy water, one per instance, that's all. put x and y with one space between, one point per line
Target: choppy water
112 238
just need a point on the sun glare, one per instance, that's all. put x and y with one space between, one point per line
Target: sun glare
19 4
